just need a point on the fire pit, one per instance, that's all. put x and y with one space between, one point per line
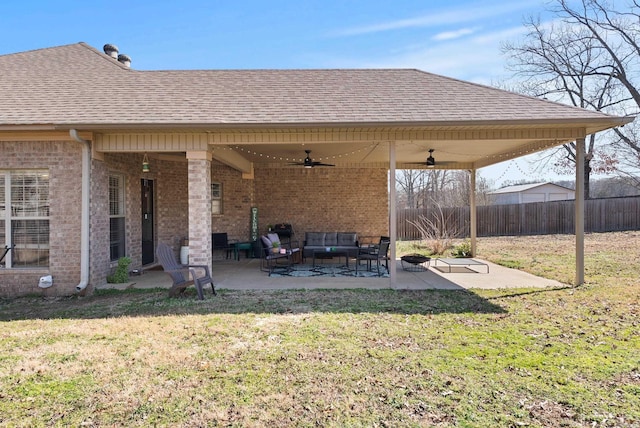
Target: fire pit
415 262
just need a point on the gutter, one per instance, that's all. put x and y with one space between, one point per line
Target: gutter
84 227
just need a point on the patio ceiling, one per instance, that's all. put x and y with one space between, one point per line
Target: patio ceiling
464 147
454 147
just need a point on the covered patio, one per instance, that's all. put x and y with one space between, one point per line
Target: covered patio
245 275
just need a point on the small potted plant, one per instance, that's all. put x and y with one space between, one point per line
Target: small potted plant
276 247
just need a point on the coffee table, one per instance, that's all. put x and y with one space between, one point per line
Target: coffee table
460 262
324 254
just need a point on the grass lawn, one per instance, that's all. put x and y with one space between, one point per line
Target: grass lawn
481 358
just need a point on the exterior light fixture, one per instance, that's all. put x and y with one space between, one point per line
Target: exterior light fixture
145 163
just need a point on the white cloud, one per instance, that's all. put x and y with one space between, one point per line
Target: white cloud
447 17
449 35
477 59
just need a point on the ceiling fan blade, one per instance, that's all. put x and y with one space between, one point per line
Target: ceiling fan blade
310 163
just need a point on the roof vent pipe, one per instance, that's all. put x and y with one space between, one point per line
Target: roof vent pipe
111 50
125 60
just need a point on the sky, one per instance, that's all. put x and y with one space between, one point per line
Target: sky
455 38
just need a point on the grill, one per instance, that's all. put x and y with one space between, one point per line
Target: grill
284 230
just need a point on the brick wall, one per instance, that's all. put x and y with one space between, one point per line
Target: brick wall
99 225
172 201
64 162
171 208
318 199
237 198
323 199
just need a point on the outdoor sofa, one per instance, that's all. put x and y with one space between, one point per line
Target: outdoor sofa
330 241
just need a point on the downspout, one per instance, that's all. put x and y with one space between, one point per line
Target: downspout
84 226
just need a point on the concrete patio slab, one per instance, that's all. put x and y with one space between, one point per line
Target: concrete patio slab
246 275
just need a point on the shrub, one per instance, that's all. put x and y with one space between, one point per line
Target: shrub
121 275
438 230
462 250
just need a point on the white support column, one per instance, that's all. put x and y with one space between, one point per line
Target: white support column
579 210
199 187
473 213
393 217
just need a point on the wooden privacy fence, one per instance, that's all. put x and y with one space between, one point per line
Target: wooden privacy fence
539 218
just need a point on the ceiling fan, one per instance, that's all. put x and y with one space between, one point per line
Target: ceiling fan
430 162
310 163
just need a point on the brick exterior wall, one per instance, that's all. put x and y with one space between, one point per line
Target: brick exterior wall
317 199
320 199
171 202
237 200
63 160
99 225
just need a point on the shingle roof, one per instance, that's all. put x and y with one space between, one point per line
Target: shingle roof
77 84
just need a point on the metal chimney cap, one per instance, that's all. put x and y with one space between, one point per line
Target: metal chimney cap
111 50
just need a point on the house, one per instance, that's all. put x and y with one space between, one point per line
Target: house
536 192
100 161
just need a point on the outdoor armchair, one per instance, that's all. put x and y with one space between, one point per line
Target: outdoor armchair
183 275
270 255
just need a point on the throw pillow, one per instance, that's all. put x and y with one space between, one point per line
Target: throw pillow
273 237
266 242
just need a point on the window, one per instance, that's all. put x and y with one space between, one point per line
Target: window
24 218
116 217
216 198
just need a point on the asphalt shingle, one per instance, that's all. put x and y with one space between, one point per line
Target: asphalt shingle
77 84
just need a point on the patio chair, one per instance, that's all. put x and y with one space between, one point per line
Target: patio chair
183 275
220 241
380 255
373 248
269 258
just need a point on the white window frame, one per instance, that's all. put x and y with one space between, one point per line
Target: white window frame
36 210
117 212
216 198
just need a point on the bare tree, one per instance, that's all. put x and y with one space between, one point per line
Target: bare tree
424 188
558 62
437 187
411 184
617 35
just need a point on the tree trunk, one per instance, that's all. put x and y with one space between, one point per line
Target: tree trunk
587 174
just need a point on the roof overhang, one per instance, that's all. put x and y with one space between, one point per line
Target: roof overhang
464 144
